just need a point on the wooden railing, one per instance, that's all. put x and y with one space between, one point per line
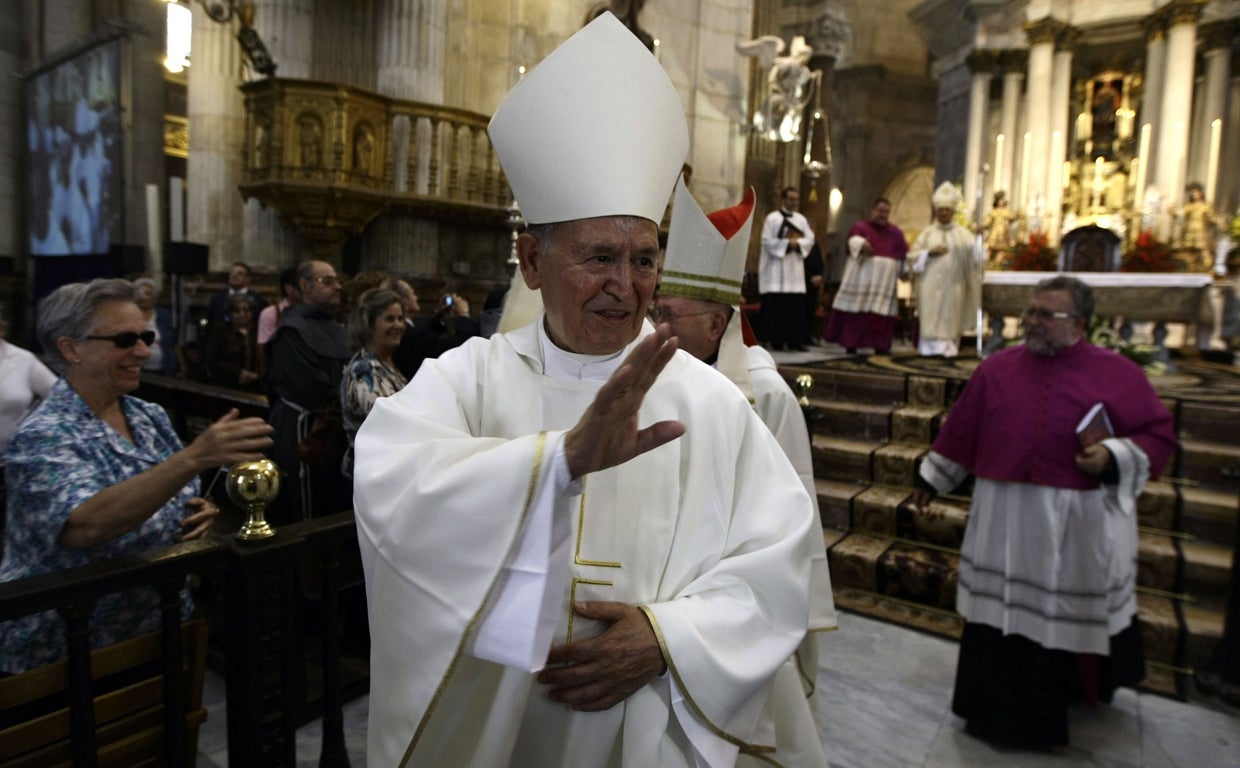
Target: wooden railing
265 601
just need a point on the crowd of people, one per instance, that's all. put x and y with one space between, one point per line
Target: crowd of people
594 539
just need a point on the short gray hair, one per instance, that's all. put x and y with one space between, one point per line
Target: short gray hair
69 312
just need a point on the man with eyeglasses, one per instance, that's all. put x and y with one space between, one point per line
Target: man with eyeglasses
305 358
581 546
699 297
1049 559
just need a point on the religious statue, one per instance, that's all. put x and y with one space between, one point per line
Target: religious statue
363 149
1105 103
789 82
1198 222
311 142
997 229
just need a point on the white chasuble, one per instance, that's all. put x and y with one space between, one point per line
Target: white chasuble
709 534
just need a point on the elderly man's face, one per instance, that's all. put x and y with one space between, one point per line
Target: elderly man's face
692 322
1046 334
597 277
944 215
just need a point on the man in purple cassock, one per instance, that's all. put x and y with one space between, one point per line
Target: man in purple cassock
865 307
1048 565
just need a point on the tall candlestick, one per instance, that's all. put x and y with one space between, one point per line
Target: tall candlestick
1024 170
1216 136
998 162
1143 163
1097 182
1177 177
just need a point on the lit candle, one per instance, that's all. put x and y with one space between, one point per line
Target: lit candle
998 162
1143 162
1084 126
1216 135
1177 173
1097 181
1024 169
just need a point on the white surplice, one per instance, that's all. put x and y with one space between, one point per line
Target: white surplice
711 534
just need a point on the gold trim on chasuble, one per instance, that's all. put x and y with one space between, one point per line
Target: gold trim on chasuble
579 560
756 750
540 448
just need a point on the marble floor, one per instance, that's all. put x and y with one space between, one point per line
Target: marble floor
887 694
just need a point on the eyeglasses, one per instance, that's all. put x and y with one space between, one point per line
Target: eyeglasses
127 339
327 280
666 315
1043 313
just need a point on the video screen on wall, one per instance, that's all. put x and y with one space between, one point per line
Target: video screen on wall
74 140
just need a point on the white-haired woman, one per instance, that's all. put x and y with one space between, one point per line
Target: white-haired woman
95 473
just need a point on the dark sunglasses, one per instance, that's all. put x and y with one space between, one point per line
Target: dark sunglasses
127 339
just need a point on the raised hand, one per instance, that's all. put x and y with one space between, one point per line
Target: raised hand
607 434
232 439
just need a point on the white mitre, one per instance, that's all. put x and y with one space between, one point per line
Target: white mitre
596 129
945 196
705 260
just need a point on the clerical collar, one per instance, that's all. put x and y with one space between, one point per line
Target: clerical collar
572 365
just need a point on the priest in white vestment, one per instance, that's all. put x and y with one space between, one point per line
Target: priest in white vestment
944 272
699 297
581 546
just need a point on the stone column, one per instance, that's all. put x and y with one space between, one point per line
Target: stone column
1061 94
1013 63
1041 35
1228 195
982 66
1216 42
410 66
13 179
1172 131
287 29
1151 100
214 210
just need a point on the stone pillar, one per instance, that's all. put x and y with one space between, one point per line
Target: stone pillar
287 29
1172 130
214 210
982 66
1061 94
144 162
1041 35
410 66
1151 100
1216 42
1228 196
1013 63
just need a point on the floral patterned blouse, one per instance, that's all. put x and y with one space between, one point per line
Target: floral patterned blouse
366 379
61 456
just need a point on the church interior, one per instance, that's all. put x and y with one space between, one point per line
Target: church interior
172 138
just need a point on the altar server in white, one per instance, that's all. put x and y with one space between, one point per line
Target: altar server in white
581 545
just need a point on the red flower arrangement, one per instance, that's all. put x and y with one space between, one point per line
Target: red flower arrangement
1148 254
1033 255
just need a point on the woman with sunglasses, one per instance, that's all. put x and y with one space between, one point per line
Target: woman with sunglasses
94 473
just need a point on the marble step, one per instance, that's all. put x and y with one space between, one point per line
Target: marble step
860 421
1209 515
1211 466
1207 573
1209 422
837 386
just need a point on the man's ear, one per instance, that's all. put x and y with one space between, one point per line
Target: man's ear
529 253
718 324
